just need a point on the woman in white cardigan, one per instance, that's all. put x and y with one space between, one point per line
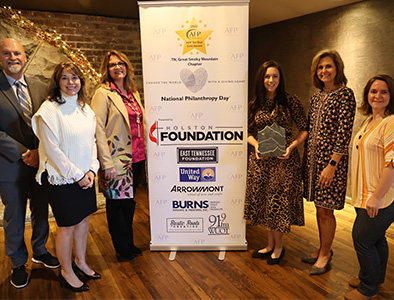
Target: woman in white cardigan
65 126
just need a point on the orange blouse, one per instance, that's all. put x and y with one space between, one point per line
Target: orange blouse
373 150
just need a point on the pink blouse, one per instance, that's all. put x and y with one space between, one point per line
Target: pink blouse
136 124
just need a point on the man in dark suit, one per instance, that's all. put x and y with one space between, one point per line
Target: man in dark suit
20 98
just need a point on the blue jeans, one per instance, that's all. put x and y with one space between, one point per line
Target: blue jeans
372 249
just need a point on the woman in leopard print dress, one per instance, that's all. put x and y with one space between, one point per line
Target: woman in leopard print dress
274 185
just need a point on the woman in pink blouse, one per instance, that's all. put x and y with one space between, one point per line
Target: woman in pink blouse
121 147
373 186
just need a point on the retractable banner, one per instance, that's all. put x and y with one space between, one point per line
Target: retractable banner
195 66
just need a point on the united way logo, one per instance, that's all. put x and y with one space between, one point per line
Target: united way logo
197 174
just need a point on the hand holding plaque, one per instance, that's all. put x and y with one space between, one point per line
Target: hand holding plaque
272 141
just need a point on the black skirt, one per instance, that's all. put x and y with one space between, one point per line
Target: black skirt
70 203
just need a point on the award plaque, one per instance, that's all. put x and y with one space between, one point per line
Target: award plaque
272 141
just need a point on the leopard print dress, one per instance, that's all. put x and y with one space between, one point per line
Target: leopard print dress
274 186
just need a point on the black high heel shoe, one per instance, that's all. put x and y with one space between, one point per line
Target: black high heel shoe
274 261
76 269
257 254
65 284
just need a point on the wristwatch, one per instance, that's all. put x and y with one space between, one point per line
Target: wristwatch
333 163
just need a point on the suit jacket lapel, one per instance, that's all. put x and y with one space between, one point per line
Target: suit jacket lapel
9 94
34 96
117 100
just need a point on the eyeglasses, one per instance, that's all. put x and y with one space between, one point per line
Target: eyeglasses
119 64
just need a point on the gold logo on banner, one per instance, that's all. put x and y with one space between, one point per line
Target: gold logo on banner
194 37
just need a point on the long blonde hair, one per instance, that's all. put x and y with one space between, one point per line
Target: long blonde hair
106 79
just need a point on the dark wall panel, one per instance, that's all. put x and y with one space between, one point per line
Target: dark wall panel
363 33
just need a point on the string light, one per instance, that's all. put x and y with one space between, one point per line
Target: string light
53 38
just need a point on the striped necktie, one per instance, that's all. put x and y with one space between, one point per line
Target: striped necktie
24 101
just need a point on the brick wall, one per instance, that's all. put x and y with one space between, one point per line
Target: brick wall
94 35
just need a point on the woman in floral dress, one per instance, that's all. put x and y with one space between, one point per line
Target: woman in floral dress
330 118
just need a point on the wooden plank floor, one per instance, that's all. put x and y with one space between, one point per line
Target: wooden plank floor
200 275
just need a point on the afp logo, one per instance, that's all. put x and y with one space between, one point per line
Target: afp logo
162 203
159 31
158 155
162 237
155 57
155 108
236 177
235 108
236 56
198 241
235 237
196 115
236 201
231 30
237 154
159 177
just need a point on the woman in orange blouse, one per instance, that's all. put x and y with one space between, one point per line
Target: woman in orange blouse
373 186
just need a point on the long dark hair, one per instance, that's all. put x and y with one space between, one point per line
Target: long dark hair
258 100
54 93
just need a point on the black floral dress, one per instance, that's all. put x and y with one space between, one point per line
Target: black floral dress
274 186
330 121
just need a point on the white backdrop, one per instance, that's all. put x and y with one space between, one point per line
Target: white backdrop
195 66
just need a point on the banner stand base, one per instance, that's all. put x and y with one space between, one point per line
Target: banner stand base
198 247
172 255
222 254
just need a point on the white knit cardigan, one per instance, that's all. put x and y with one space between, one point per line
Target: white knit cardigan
67 146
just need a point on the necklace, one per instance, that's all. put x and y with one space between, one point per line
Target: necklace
132 103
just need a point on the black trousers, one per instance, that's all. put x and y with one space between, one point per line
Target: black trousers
120 215
137 171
